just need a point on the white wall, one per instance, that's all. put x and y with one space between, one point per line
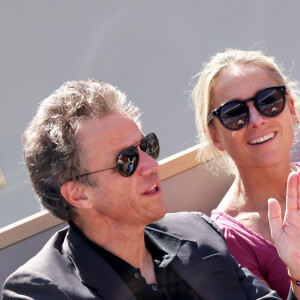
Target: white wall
150 49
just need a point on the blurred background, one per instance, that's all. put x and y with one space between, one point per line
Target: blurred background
150 49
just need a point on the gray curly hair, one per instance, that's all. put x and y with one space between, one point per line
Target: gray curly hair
51 150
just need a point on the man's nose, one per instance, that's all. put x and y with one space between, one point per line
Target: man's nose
147 164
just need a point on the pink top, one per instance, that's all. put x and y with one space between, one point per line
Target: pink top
254 252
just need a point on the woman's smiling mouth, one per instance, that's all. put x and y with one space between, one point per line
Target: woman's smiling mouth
262 139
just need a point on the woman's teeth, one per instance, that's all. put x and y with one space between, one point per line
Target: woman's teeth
262 139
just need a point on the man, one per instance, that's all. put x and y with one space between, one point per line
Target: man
91 165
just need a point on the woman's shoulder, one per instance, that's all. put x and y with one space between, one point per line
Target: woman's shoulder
235 232
225 220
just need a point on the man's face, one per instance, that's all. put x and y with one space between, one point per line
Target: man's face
134 200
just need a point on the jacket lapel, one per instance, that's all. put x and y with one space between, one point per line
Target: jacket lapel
94 271
209 276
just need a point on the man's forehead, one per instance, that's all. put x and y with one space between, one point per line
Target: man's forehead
109 132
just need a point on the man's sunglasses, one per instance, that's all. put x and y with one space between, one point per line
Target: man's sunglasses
234 115
128 159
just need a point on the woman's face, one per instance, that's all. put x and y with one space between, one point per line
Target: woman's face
264 141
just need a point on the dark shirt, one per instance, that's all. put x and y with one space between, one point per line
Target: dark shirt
169 284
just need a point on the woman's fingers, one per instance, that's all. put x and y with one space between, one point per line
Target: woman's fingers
293 189
275 220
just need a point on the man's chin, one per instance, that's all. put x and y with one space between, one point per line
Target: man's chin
161 214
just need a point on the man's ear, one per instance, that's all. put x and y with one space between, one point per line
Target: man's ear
74 193
215 138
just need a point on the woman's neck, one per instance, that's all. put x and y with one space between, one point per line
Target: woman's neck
252 188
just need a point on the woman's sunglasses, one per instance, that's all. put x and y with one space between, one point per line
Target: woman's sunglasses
128 159
234 115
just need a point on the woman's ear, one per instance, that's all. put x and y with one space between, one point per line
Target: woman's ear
74 193
291 106
215 138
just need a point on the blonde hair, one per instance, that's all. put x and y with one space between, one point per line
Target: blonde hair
202 92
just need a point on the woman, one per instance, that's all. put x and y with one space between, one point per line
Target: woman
247 108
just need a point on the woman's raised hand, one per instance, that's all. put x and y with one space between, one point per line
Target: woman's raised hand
286 232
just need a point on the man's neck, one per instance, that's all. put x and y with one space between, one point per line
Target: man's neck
125 241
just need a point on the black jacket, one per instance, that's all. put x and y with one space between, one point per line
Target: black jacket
68 268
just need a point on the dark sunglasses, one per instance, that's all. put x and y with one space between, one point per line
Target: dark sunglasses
234 115
128 159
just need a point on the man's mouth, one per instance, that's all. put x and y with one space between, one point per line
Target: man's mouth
152 190
262 139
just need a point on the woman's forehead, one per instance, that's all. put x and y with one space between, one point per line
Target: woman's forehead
241 82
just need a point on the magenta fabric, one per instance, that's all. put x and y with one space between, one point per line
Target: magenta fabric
254 252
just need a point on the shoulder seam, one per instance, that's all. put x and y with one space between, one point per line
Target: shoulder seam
214 225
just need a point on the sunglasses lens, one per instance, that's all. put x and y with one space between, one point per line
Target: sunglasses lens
127 161
150 145
234 115
270 102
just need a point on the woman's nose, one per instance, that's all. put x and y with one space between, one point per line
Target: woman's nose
255 119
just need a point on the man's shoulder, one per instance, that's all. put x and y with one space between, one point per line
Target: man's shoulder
48 272
195 227
46 260
187 224
52 250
